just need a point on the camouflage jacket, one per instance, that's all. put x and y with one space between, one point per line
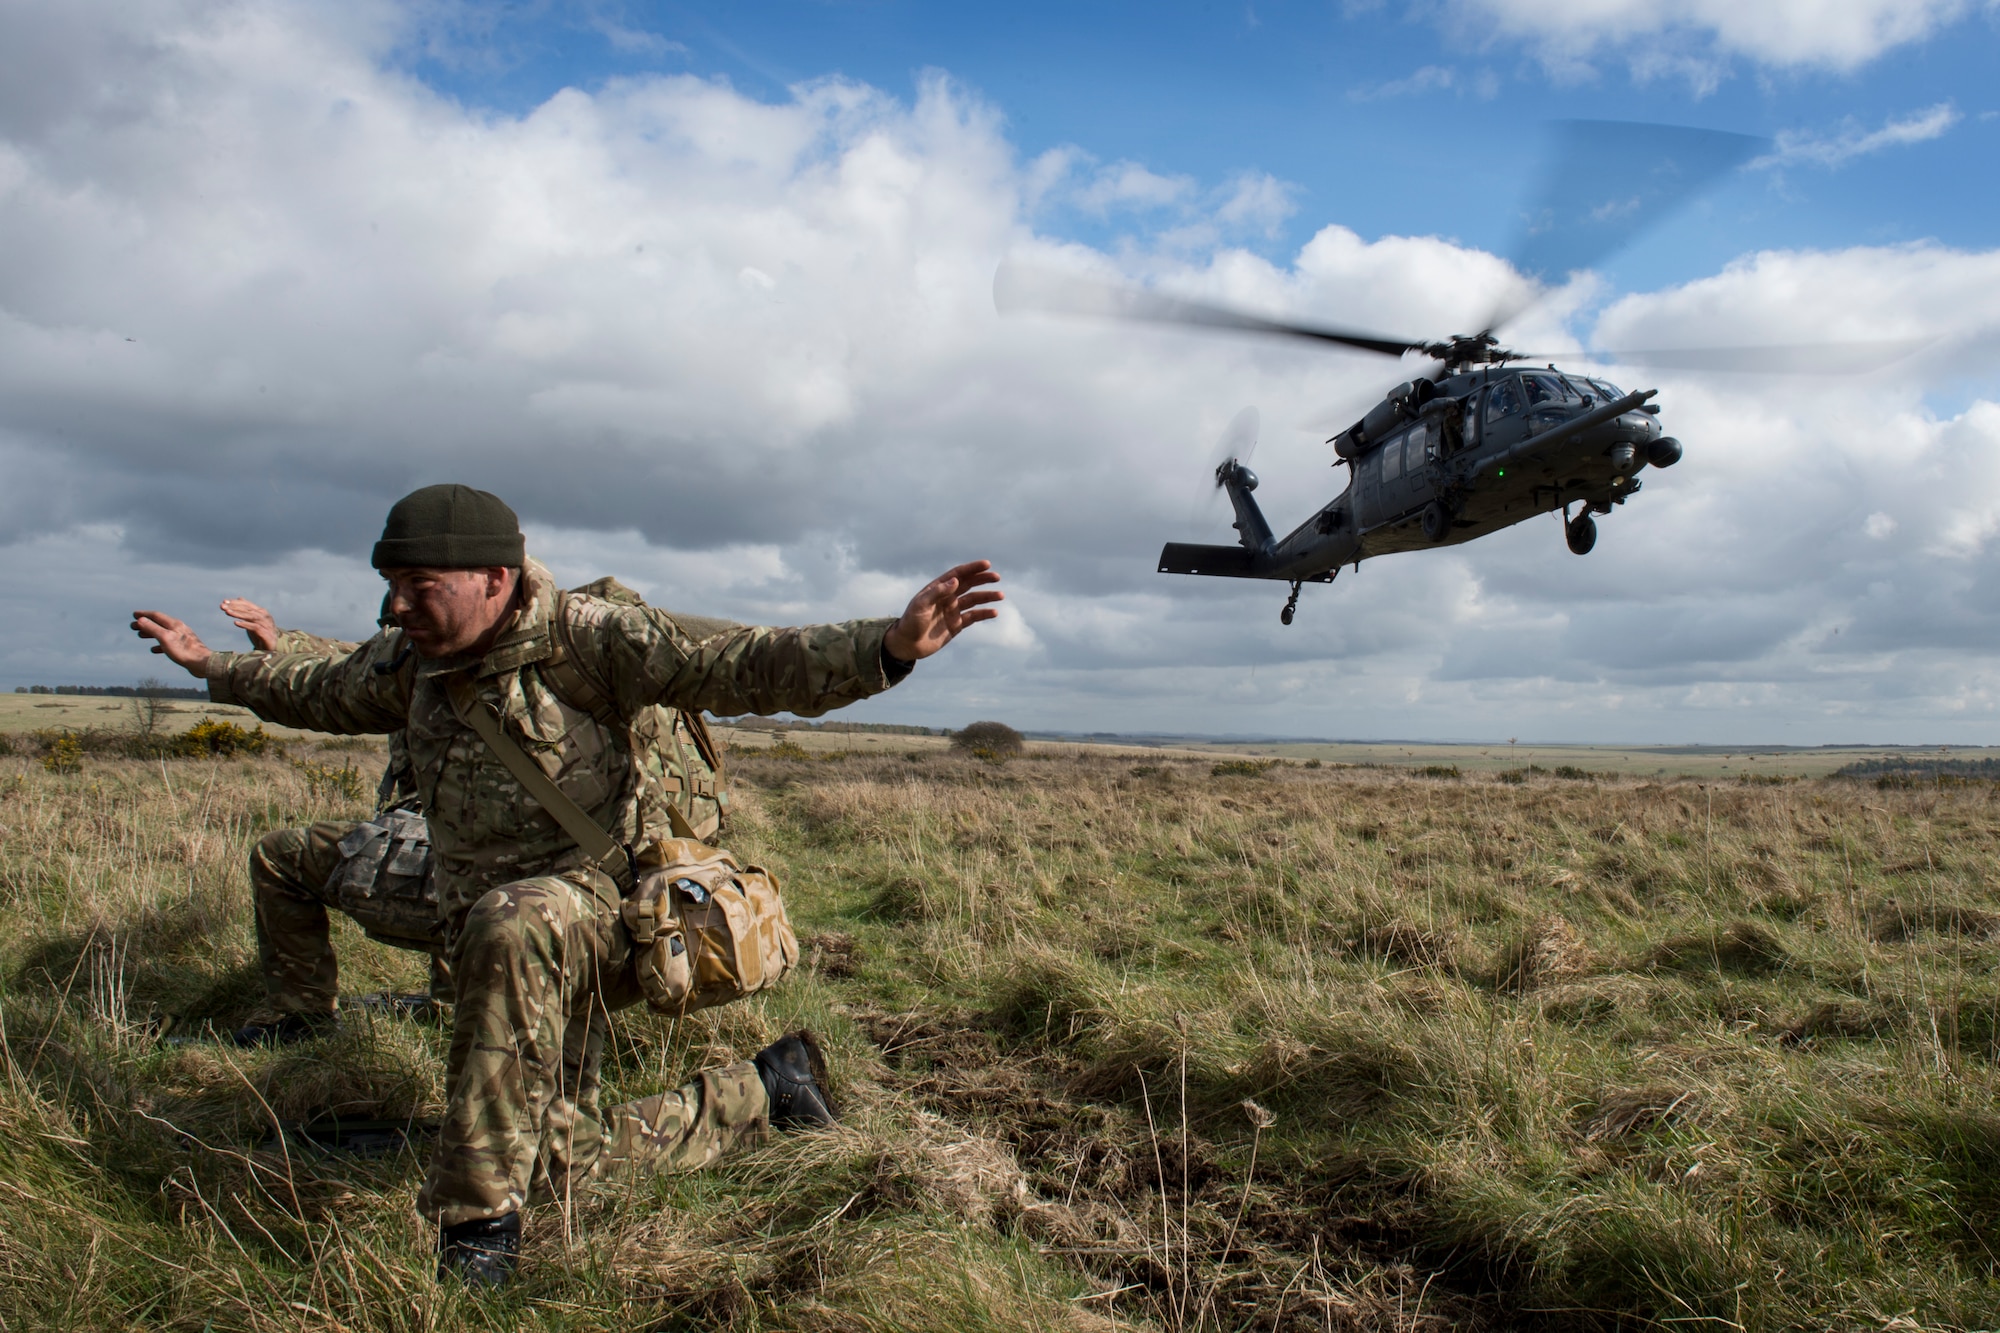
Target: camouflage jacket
682 772
486 831
398 787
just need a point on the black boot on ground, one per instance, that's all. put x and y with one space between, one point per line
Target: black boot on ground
484 1252
794 1074
284 1031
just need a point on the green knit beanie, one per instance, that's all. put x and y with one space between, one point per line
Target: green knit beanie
450 527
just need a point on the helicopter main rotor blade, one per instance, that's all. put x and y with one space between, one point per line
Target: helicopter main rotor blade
1602 184
1027 287
1842 358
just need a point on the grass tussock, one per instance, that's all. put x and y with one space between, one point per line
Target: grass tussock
1159 1047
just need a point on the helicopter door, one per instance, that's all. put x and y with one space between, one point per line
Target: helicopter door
1504 422
1368 487
1393 483
1419 448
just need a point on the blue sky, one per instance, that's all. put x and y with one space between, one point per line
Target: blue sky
706 292
1387 118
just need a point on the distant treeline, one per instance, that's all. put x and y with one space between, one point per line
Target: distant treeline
1988 769
790 724
119 691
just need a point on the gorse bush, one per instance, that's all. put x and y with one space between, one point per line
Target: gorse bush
326 782
1242 768
209 738
64 755
206 739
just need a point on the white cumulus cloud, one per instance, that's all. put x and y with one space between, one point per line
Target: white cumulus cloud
1687 37
744 355
1852 140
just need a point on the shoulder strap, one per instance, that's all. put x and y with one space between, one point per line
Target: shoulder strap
704 741
598 845
567 673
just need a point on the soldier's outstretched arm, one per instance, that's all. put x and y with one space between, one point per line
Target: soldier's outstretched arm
266 636
806 670
365 691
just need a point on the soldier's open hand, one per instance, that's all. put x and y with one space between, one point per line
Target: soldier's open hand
170 636
254 621
961 596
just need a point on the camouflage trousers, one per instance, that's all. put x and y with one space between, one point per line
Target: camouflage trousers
541 965
293 883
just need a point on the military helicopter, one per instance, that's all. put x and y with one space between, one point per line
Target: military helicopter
1487 440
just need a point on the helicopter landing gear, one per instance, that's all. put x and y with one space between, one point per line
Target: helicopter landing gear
1291 604
1581 533
1436 521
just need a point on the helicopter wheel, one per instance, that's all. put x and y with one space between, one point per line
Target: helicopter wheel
1436 521
1581 533
1291 605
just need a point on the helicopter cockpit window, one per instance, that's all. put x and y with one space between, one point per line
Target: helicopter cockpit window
1502 401
1392 460
1612 393
1545 389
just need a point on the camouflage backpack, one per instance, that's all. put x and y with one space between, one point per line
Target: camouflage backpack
702 812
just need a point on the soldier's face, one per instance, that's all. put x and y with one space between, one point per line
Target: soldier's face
446 612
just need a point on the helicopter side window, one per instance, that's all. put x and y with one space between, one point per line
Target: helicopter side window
1392 460
1502 400
1422 448
1612 393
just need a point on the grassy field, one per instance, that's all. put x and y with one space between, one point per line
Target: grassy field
1121 1042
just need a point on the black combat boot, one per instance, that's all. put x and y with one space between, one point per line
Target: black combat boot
794 1074
483 1252
286 1030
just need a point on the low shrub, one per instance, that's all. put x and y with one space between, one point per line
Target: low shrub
209 739
1514 777
994 742
325 782
65 755
1242 768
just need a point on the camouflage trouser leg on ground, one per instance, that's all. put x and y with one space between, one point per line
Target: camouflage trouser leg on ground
289 869
289 873
540 966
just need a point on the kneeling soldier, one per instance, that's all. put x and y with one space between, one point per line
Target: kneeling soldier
486 645
378 871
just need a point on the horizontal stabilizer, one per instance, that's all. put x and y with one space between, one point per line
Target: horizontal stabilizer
1225 562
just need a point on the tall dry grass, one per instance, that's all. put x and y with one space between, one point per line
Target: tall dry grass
1120 1044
